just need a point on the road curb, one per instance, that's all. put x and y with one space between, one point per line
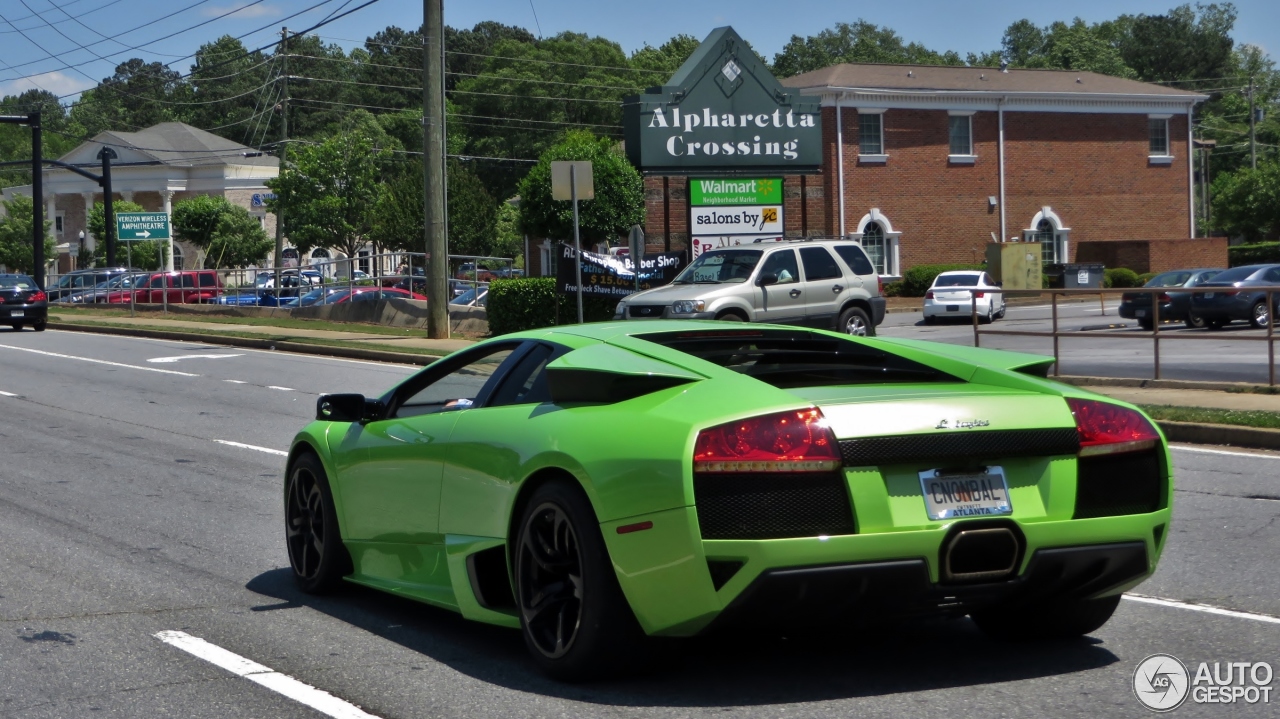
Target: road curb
1242 387
357 353
1193 433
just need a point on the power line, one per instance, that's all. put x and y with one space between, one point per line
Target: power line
64 12
419 71
451 115
500 57
459 92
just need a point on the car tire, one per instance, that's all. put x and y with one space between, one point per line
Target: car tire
1259 316
39 326
1000 314
1146 325
317 556
575 620
854 321
1196 322
730 317
1065 619
930 320
987 318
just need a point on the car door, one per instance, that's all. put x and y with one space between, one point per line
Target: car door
783 301
490 445
391 489
825 286
997 297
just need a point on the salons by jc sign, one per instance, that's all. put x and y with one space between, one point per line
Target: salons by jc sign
723 112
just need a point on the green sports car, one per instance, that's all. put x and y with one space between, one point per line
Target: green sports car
593 485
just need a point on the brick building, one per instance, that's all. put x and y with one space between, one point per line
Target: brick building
925 164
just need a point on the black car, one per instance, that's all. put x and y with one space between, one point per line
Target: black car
22 303
1231 295
78 281
1174 306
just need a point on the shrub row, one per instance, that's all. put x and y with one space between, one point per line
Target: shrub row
1259 254
1120 277
918 279
528 303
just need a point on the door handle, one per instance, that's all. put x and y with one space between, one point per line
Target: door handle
837 289
795 293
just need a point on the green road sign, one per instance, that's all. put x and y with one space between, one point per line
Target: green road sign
131 226
735 191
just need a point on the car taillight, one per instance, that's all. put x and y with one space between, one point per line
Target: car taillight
39 296
979 295
928 295
880 285
1107 428
1164 297
797 441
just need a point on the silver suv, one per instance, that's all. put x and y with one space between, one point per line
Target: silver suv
818 283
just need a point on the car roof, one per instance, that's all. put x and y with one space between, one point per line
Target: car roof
960 272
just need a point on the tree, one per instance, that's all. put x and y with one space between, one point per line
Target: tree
329 197
860 41
619 192
138 95
15 235
1247 202
508 240
665 60
470 211
227 234
1185 44
231 87
97 224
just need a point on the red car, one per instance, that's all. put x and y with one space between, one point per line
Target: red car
188 287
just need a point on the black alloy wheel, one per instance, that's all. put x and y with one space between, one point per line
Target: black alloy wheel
316 554
550 572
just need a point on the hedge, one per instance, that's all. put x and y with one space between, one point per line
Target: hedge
1259 254
528 303
1120 277
917 280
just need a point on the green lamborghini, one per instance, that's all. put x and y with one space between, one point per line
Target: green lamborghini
594 485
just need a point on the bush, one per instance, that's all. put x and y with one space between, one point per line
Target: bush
528 303
1120 277
893 289
918 279
1259 254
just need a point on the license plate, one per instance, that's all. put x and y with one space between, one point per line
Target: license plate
952 495
1140 313
1208 295
17 313
953 308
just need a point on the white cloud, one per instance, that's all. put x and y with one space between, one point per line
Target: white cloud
56 82
246 11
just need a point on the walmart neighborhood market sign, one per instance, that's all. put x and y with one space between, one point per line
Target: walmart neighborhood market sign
735 192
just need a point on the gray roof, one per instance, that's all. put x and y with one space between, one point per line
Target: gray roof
177 143
928 78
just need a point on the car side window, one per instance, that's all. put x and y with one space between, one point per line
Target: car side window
527 383
783 264
460 388
1273 276
188 280
208 279
855 258
819 264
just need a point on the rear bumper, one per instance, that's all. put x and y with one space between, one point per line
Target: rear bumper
957 308
878 305
29 314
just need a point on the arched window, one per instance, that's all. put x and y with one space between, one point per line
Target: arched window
873 243
1048 244
879 239
1048 229
177 256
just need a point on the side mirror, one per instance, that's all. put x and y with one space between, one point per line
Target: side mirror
767 278
999 284
349 408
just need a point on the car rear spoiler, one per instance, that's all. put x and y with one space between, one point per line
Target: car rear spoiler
1029 364
605 374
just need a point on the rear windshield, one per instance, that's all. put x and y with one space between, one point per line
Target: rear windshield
1237 274
21 282
790 359
956 281
715 267
1169 279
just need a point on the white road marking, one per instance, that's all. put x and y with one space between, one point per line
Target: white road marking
268 450
98 361
265 676
289 355
7 394
282 389
1202 608
182 357
235 381
1199 450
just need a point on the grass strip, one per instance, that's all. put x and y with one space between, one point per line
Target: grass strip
70 313
1261 419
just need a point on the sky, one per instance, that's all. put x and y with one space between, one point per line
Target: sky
66 46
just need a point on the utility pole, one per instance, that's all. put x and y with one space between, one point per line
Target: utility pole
284 148
106 154
37 197
1253 135
437 244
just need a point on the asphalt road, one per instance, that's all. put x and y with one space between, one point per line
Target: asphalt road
122 514
1097 350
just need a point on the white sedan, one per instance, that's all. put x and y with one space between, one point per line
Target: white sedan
953 293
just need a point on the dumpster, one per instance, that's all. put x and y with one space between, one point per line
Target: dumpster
1053 275
1082 275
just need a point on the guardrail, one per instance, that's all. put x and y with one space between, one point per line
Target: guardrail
1153 335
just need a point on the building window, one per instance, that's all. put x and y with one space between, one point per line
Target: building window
1048 246
961 134
874 245
58 220
177 256
870 134
1159 134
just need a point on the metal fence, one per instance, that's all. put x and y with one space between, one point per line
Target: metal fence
1155 335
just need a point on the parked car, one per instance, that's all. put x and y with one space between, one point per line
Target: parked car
187 287
1174 306
288 278
1228 296
22 302
468 271
954 293
318 296
100 291
78 281
472 297
838 287
782 476
370 294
